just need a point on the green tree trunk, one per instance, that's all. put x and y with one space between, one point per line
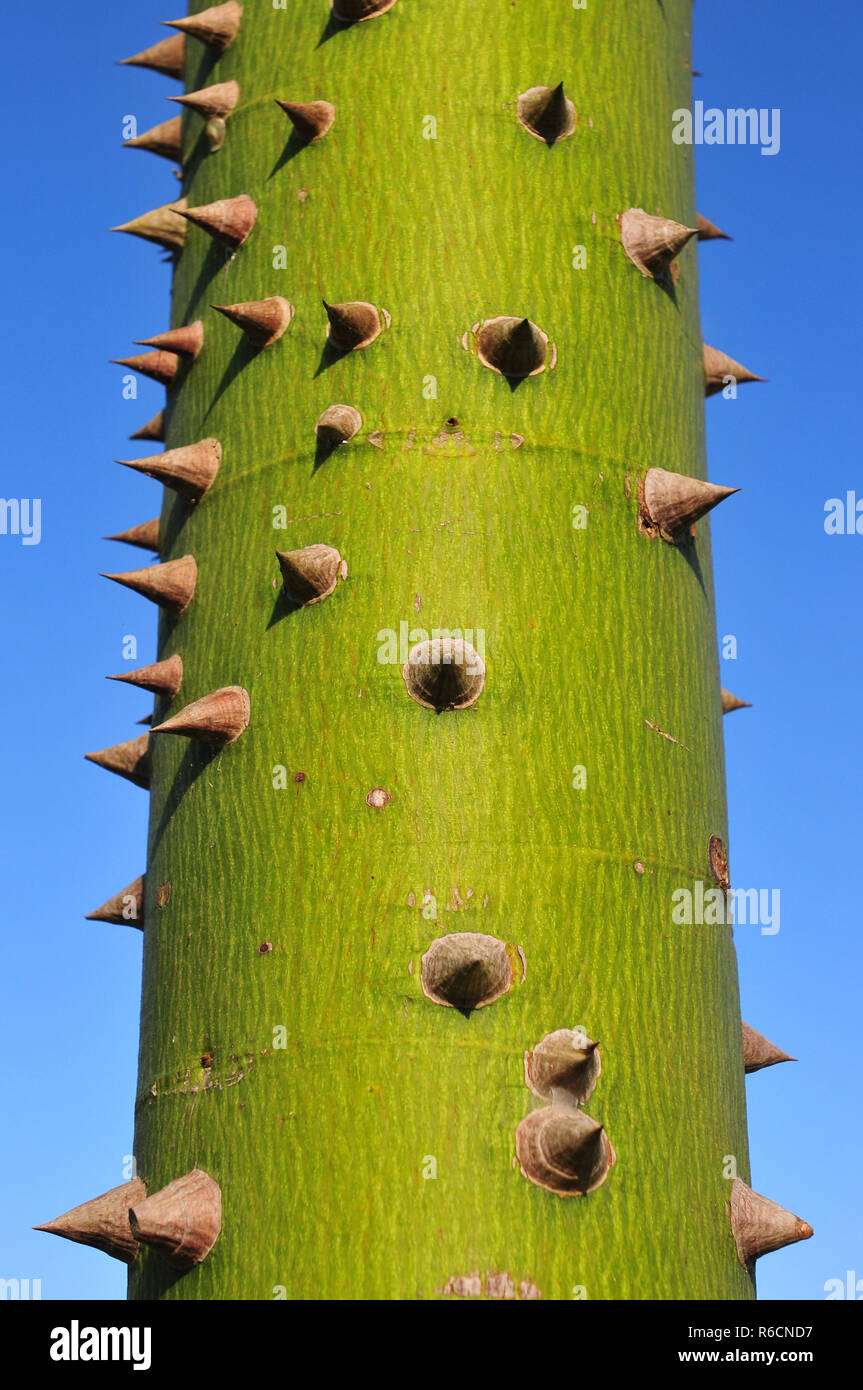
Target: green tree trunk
364 1136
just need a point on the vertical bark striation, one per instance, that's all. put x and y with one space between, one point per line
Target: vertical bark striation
451 512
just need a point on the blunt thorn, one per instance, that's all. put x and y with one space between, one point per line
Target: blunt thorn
182 1221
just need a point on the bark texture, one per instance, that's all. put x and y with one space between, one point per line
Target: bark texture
363 1135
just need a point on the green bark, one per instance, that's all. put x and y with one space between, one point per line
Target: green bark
320 1146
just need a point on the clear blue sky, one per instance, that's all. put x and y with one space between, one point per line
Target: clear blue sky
783 297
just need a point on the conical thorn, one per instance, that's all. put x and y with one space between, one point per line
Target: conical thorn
146 535
760 1226
166 56
354 324
164 139
154 429
158 366
309 575
190 470
130 760
652 243
103 1222
220 717
124 909
217 27
171 585
671 503
731 702
759 1051
216 101
311 119
182 1221
230 220
708 231
547 113
262 320
162 678
163 225
720 371
186 340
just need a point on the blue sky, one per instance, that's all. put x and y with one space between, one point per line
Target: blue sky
783 297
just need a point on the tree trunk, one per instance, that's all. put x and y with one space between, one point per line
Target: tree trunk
363 1134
